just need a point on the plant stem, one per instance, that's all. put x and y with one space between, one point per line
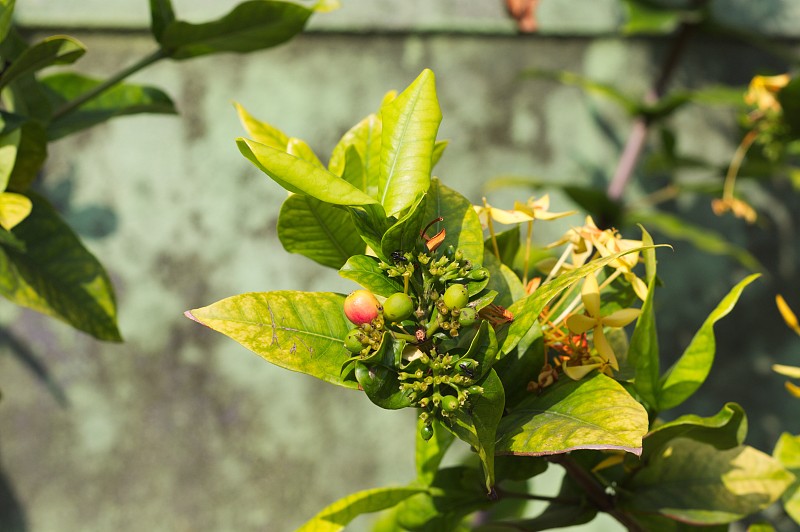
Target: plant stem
736 163
595 491
641 125
72 105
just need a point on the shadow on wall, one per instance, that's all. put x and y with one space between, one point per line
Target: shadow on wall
12 516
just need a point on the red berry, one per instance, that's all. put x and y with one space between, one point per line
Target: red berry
361 307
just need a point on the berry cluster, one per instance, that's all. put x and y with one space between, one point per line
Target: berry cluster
426 325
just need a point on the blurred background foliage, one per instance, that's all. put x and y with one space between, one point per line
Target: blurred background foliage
177 429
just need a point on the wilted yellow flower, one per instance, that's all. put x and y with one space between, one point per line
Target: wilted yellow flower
788 371
763 90
487 213
739 208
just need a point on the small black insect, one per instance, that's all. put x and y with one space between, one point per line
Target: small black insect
398 256
467 370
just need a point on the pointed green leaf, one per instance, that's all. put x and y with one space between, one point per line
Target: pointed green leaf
698 484
429 453
644 18
692 368
57 276
724 430
365 138
9 145
502 279
593 413
120 100
371 223
250 26
526 311
461 223
478 426
31 155
300 331
300 149
339 514
355 174
365 271
161 15
13 209
454 493
643 351
262 132
404 234
483 348
787 452
318 230
59 50
296 175
382 385
6 13
410 123
438 151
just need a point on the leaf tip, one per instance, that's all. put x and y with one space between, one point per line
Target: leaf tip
192 317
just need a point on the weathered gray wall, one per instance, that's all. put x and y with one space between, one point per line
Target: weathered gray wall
181 429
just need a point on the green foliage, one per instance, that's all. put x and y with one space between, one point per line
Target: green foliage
43 265
377 215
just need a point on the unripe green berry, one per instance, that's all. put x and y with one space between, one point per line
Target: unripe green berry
426 432
398 307
456 296
467 316
450 403
353 341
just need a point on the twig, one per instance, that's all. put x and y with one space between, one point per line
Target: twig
641 125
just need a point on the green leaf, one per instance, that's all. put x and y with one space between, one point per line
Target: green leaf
6 13
454 493
120 100
296 175
508 286
9 145
483 348
593 413
336 516
724 430
642 18
643 350
438 151
262 132
527 310
161 15
365 271
521 366
300 331
507 242
13 209
371 224
58 50
381 384
698 484
404 234
787 452
355 174
31 155
478 426
250 26
318 230
429 453
788 98
410 123
57 276
461 223
702 238
692 368
365 138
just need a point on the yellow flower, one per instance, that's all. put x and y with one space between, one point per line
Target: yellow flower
739 208
763 90
788 371
487 213
592 320
540 209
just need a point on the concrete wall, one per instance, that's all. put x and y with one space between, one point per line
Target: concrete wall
179 428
